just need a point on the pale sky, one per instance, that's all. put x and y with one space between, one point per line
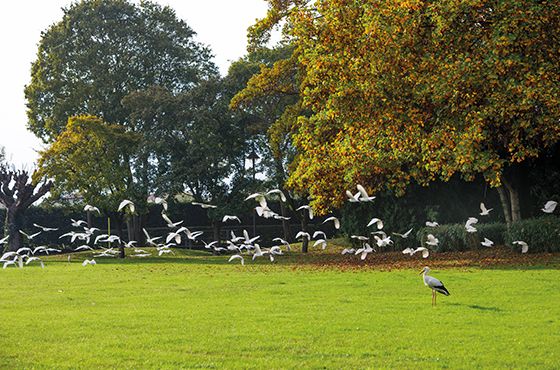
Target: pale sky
220 24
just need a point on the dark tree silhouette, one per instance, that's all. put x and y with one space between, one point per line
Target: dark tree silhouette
17 192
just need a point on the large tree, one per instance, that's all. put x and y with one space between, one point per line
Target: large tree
18 191
405 92
199 144
103 51
92 158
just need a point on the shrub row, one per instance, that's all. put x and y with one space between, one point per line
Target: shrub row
541 234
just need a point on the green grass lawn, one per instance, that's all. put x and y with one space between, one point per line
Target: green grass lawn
197 311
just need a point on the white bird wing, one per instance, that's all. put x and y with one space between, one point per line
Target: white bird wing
126 203
550 206
279 192
376 221
335 220
352 197
319 233
362 191
237 256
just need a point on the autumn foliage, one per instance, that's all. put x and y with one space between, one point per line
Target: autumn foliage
414 91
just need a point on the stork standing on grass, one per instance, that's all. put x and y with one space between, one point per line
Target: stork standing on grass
434 284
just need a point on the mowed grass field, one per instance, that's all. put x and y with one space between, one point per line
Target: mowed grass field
197 311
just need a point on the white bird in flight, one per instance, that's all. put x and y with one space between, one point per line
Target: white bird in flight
335 220
524 246
434 284
469 224
280 194
239 257
432 240
90 208
308 208
549 206
487 243
376 221
229 217
127 203
45 229
483 210
30 237
89 262
431 224
405 235
425 251
364 197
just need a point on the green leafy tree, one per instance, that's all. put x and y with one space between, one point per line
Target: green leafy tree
92 158
403 92
199 144
101 52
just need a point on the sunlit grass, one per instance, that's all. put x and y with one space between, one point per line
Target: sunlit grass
199 311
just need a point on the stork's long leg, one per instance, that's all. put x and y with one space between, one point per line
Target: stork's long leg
435 298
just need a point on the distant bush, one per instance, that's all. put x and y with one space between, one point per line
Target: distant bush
452 237
494 231
541 234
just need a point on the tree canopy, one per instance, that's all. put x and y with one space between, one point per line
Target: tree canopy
103 50
414 91
91 158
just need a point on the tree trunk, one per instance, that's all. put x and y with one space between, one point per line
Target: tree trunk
305 241
285 223
137 224
14 224
216 229
504 200
119 227
513 193
89 219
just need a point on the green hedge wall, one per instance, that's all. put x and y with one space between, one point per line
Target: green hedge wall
541 234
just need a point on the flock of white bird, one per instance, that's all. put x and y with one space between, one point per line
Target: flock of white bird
244 245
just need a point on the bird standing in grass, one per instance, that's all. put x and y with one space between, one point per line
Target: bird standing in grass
434 284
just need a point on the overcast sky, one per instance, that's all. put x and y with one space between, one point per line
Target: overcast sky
220 24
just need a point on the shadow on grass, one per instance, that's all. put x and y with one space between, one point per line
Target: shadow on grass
476 307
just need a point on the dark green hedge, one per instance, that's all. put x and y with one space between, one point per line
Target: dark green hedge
541 234
455 237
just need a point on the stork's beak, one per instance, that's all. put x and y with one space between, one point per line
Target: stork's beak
421 272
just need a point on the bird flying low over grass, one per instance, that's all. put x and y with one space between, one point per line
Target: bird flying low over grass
405 235
524 246
434 284
487 243
432 240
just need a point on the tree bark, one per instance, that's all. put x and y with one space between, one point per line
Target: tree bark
285 223
216 229
513 193
14 224
305 241
504 200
